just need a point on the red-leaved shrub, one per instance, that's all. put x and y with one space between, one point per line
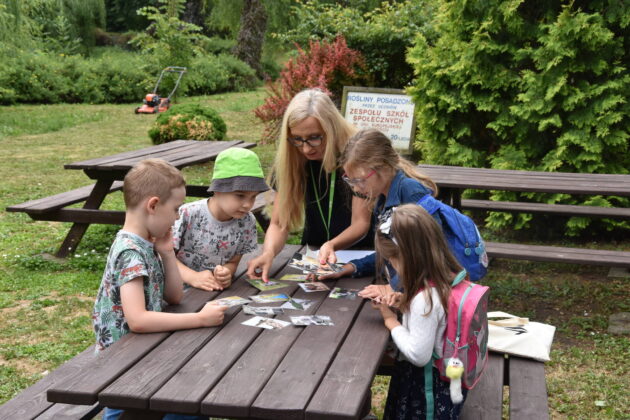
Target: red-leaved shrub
326 65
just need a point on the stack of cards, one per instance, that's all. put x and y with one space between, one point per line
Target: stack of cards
311 320
270 285
311 265
314 287
266 323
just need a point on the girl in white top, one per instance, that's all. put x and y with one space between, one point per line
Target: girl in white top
413 242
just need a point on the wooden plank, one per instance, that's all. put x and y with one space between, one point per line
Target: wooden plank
528 390
46 204
185 390
89 216
306 363
519 173
90 163
252 370
96 373
559 209
485 400
134 388
70 412
343 390
32 401
559 254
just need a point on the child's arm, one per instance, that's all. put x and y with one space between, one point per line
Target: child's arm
173 286
200 279
224 273
142 321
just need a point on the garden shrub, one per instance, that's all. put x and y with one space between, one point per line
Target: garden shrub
382 35
327 66
190 122
527 84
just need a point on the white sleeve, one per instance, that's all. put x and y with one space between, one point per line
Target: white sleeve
416 337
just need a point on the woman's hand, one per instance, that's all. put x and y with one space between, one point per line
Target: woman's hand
327 253
259 267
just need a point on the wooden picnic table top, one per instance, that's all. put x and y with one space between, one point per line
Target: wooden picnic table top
459 177
179 153
236 370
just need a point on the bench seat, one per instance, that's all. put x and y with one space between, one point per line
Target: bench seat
559 254
556 209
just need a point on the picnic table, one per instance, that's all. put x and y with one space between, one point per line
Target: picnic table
109 171
238 371
453 180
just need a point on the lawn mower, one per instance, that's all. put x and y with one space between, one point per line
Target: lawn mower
153 103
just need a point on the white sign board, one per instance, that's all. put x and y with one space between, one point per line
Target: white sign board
387 110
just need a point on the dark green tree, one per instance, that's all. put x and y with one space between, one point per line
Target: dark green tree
527 84
251 34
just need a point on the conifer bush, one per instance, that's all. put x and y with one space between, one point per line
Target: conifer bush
188 122
531 85
325 65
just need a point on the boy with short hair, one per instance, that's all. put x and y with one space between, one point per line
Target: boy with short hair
141 266
211 235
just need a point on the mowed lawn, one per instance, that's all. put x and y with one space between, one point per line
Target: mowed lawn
45 305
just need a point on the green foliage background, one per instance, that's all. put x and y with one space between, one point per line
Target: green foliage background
527 84
188 121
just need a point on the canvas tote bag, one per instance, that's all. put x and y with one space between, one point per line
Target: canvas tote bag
517 336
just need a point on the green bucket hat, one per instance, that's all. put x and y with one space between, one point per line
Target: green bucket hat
237 169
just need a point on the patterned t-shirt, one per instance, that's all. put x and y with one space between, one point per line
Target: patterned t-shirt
201 242
130 257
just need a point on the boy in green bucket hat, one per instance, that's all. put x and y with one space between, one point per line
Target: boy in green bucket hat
211 235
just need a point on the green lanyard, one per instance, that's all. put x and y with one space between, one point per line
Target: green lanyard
330 200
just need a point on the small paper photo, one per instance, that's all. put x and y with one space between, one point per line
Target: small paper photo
266 323
270 285
296 303
231 301
262 310
294 277
315 286
311 320
269 298
341 293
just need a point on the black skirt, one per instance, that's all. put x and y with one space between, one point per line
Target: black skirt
406 399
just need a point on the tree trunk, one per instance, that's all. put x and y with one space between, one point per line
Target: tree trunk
252 34
195 13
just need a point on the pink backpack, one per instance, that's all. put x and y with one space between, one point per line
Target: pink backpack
465 339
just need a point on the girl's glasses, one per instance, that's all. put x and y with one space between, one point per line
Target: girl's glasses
357 181
312 141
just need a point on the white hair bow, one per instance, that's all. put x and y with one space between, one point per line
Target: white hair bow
386 227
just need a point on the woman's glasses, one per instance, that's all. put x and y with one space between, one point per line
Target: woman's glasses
312 141
357 181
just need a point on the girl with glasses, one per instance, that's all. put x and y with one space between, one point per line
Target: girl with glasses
308 179
375 170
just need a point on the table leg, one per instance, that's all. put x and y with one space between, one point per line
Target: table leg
94 201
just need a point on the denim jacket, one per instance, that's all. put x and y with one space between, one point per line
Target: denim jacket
402 190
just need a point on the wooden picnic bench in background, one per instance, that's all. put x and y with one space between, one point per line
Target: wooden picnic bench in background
453 180
109 171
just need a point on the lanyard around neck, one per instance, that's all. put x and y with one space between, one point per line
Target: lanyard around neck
330 200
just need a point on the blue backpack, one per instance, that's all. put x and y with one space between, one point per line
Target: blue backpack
462 236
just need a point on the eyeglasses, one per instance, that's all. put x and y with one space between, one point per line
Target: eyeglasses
312 141
357 181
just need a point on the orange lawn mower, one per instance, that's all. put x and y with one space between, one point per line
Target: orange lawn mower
153 103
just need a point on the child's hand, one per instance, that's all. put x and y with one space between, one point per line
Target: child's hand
164 245
205 280
223 275
392 299
377 292
212 314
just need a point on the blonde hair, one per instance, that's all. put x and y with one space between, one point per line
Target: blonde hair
288 173
417 242
151 178
372 148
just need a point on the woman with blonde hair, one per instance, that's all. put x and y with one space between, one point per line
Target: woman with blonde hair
308 180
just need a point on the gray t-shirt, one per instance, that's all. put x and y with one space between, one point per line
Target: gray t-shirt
201 242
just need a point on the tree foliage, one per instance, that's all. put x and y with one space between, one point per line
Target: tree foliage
527 84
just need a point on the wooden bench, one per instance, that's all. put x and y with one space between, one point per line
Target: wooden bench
555 209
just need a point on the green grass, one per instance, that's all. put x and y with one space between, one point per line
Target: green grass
45 304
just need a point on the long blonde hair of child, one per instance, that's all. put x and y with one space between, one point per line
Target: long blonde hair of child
288 174
373 149
417 243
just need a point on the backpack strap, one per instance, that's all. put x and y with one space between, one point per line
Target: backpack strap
428 389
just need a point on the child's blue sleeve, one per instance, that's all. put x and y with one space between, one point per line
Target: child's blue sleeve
365 266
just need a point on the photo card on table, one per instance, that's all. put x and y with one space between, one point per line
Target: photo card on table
262 286
341 293
315 286
311 320
270 298
232 301
262 310
266 323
